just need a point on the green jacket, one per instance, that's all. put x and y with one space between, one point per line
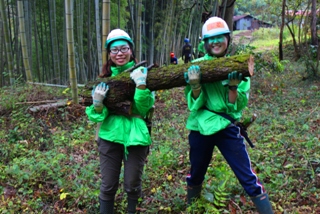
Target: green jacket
126 130
214 96
201 47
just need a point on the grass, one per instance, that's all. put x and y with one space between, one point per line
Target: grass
49 160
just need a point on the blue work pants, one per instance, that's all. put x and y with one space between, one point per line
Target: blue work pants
232 146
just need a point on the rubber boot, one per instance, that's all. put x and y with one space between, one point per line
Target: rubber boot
106 207
193 193
132 204
262 204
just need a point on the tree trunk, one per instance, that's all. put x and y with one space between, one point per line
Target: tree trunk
98 36
79 20
28 28
138 31
121 88
23 40
54 42
314 36
71 57
105 27
89 42
228 15
281 29
36 41
2 56
7 39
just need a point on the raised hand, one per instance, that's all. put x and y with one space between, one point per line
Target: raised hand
139 76
98 95
193 77
234 79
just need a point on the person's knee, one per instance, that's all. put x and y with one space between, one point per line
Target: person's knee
107 196
133 193
107 192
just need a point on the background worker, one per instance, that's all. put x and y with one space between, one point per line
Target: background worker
201 49
213 106
173 59
186 51
122 138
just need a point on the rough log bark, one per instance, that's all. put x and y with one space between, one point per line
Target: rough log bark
121 87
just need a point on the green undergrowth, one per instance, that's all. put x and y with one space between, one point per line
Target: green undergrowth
49 161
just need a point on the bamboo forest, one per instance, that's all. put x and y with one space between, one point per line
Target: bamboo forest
160 106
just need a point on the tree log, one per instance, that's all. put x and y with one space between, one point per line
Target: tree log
122 88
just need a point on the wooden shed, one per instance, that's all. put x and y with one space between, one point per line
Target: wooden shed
248 22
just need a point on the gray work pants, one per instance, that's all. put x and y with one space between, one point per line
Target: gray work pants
111 158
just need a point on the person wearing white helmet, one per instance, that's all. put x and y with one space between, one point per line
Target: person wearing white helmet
122 138
201 49
214 109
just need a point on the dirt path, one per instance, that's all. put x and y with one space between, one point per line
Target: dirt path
244 37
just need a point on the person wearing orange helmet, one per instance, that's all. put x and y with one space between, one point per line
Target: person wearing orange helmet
214 109
173 59
123 139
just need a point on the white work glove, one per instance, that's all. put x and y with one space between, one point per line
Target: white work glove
139 76
193 77
98 95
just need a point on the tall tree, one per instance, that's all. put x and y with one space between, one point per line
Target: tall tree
105 26
98 34
28 29
71 57
36 41
229 11
80 53
138 30
2 53
54 41
7 41
314 36
89 40
23 39
281 29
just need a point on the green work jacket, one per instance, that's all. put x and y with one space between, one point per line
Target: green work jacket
214 96
126 130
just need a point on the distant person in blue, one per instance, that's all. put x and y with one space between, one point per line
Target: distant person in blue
173 59
187 51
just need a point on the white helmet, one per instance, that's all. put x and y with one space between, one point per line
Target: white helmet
214 26
117 34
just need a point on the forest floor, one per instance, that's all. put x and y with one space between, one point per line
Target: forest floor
49 161
245 37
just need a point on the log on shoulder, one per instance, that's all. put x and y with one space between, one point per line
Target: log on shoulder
121 87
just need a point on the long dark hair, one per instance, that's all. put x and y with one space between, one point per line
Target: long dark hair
106 68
